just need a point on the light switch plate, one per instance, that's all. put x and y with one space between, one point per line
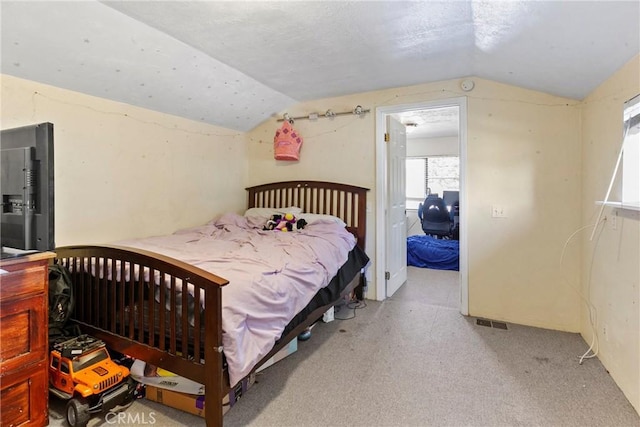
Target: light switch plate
498 212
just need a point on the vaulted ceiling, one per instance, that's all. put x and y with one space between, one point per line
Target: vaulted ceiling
235 64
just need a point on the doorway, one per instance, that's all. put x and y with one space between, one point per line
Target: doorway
382 185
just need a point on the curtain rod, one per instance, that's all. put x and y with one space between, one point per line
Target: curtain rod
358 111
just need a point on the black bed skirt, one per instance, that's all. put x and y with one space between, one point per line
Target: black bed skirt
356 261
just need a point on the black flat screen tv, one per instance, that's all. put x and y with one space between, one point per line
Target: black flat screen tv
27 189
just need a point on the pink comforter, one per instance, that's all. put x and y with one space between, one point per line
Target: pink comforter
272 275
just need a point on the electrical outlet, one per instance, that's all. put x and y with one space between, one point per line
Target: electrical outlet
498 212
614 222
604 333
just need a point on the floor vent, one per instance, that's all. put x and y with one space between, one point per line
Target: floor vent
491 323
483 322
499 325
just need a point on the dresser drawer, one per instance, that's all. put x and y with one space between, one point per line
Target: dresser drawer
23 280
24 397
23 332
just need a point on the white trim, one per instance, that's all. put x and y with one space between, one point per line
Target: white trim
464 208
381 197
381 192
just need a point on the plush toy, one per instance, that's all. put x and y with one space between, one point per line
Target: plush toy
286 222
272 222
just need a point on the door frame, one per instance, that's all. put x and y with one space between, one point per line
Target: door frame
381 191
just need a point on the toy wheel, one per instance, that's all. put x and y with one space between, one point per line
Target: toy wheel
77 413
130 392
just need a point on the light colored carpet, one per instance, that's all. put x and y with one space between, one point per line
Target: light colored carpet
413 360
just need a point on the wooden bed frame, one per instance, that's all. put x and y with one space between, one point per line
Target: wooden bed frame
112 308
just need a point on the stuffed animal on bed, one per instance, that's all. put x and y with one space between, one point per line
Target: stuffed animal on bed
272 222
286 222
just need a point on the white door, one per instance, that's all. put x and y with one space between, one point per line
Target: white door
396 216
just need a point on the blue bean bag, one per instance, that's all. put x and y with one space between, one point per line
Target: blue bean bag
428 252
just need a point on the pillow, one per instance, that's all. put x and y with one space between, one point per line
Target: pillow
267 212
311 218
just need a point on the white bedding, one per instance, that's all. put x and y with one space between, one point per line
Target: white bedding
272 275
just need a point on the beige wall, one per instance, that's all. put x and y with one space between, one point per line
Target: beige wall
523 153
610 262
122 171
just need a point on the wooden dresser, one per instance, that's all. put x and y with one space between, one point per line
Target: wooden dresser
24 316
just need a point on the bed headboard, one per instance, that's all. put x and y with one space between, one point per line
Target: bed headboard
347 202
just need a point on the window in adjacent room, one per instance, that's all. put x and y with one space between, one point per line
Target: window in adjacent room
431 175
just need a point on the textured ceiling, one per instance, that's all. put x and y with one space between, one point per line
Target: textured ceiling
235 64
432 123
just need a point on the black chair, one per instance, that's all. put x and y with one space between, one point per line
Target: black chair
450 197
435 218
455 218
